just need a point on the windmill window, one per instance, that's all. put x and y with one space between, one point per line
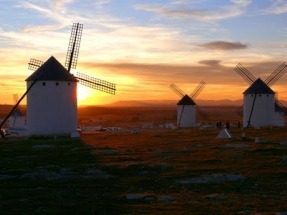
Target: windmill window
44 83
69 84
57 83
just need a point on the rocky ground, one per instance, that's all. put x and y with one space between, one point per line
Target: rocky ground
153 171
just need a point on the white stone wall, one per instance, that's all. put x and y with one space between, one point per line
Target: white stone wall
52 108
186 115
263 111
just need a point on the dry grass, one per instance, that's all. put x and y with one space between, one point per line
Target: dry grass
157 171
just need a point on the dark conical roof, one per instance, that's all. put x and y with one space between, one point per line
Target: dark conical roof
186 100
259 87
51 70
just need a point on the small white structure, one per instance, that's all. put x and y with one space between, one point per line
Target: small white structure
259 106
186 113
224 134
17 120
52 101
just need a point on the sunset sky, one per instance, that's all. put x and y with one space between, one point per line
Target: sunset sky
144 46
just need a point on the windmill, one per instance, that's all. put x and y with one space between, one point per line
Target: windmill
52 92
260 106
186 107
16 119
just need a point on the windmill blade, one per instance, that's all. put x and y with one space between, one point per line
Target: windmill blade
274 76
177 90
251 112
74 46
244 73
96 83
280 107
198 90
180 117
34 64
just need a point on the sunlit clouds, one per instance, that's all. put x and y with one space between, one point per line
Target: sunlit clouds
144 46
182 10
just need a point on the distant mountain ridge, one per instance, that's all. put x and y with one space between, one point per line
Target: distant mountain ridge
171 103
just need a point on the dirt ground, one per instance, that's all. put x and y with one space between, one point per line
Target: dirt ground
153 170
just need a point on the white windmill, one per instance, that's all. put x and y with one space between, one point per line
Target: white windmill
17 120
186 107
260 106
52 92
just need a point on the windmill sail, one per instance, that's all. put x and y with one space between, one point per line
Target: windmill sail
177 90
198 90
279 106
245 74
34 64
274 76
96 83
74 46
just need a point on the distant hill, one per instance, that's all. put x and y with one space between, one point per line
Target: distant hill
171 103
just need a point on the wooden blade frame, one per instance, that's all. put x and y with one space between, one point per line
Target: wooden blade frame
274 76
74 46
34 64
244 73
96 83
281 107
177 90
198 90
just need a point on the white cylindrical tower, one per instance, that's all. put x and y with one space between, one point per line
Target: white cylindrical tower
258 105
186 113
52 101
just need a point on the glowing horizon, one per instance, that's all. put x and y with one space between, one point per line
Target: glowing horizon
143 47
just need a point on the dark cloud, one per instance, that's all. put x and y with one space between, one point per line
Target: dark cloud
222 45
152 81
211 71
164 74
210 62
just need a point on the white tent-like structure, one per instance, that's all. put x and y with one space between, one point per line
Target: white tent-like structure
224 134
